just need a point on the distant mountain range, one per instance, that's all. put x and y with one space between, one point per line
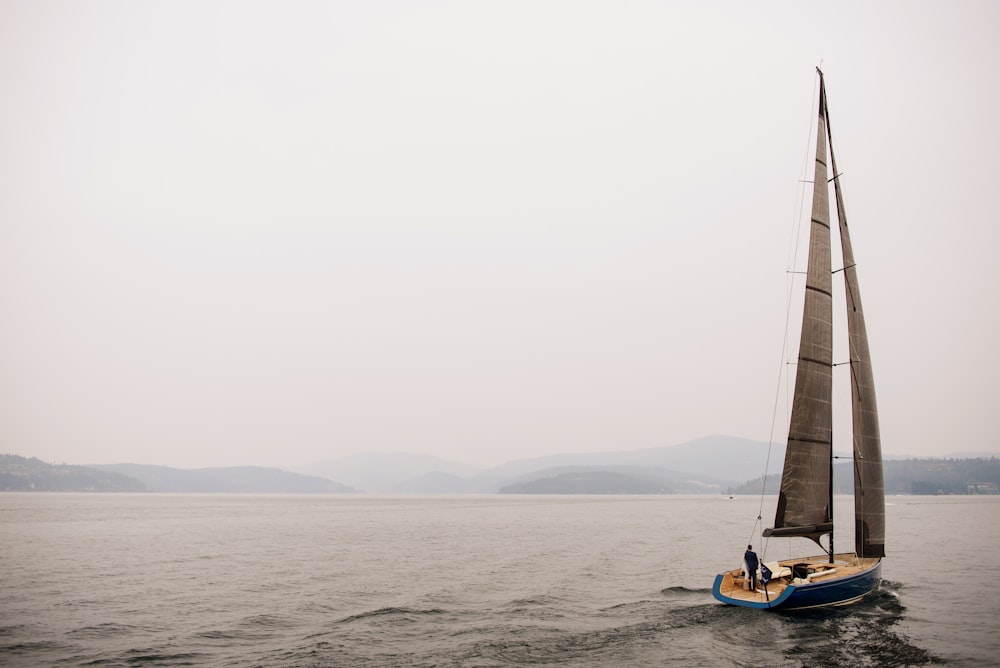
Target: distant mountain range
22 474
705 465
711 465
397 473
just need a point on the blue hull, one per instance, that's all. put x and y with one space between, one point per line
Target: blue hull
839 591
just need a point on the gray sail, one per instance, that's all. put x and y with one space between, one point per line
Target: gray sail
804 500
869 488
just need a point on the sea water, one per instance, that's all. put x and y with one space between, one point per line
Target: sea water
232 580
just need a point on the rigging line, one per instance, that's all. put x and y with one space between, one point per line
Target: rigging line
754 531
804 172
855 379
856 464
844 406
774 414
777 398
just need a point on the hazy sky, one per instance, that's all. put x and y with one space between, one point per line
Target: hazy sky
274 233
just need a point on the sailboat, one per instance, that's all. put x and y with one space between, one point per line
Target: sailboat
805 500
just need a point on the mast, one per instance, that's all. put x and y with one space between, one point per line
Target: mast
826 116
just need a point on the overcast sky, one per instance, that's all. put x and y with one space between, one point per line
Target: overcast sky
275 233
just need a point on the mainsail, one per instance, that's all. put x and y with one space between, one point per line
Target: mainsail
804 500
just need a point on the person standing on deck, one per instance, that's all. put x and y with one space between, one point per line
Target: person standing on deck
750 563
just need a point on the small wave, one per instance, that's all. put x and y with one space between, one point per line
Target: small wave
627 606
540 601
686 591
104 630
390 612
181 659
219 634
522 603
268 622
12 630
149 655
24 647
522 646
256 627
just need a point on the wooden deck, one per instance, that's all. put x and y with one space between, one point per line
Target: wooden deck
783 574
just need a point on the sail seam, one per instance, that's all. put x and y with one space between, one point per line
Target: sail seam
815 361
808 440
819 290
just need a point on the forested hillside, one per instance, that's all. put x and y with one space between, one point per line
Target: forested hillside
21 474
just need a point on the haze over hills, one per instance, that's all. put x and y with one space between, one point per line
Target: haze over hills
231 479
705 464
716 464
590 482
395 473
717 457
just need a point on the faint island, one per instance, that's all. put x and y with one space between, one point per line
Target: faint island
611 480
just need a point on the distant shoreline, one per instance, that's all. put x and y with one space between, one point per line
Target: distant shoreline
909 477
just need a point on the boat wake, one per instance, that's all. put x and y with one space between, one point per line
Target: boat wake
862 634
